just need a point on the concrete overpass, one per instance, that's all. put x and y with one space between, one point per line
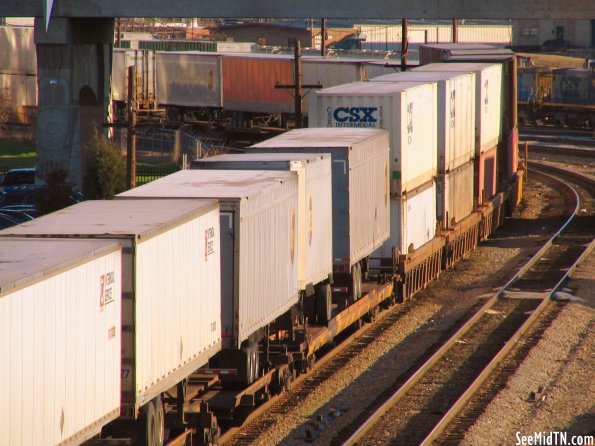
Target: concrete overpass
74 52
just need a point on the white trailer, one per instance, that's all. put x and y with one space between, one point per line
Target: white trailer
259 261
360 189
60 316
171 313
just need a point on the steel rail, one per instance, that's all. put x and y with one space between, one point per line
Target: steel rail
421 372
483 376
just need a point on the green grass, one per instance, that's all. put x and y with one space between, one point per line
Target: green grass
14 155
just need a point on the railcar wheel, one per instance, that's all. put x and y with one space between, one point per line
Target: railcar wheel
324 300
147 426
159 420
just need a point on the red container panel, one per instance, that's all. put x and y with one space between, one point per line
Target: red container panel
249 84
485 183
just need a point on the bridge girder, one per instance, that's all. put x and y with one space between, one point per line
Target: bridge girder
348 9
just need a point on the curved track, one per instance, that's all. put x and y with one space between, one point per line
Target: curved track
422 408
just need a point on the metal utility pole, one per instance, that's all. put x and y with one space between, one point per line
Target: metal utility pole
404 44
131 148
297 86
322 37
455 30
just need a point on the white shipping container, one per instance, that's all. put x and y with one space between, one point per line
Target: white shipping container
258 240
315 229
412 220
171 288
190 79
360 184
406 109
60 315
144 61
489 99
456 113
455 194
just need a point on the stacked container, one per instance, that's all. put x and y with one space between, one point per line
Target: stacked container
456 139
259 261
315 236
360 188
488 120
408 110
60 313
171 314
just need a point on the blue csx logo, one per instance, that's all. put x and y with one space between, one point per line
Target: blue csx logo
355 114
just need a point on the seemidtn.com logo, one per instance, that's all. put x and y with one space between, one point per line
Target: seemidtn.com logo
352 117
553 438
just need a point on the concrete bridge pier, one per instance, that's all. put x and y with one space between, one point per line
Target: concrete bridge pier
73 74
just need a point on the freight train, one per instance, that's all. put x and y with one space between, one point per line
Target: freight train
169 310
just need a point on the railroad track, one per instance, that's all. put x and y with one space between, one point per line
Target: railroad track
420 410
553 131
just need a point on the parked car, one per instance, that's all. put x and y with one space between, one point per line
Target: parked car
34 199
17 177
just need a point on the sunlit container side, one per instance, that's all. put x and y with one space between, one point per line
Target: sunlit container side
19 43
60 316
573 86
456 114
258 240
485 170
412 220
455 194
146 82
489 99
315 236
170 283
360 176
407 110
189 79
249 83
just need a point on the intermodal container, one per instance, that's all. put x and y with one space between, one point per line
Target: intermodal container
315 236
170 283
189 79
486 181
408 110
259 234
455 194
456 113
360 176
60 339
489 99
412 220
146 78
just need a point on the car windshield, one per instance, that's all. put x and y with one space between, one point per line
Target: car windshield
18 178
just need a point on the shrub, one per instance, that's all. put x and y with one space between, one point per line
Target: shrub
104 169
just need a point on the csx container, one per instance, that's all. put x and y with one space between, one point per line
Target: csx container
489 99
170 283
60 313
360 184
406 109
456 113
189 79
315 230
455 194
412 220
259 233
